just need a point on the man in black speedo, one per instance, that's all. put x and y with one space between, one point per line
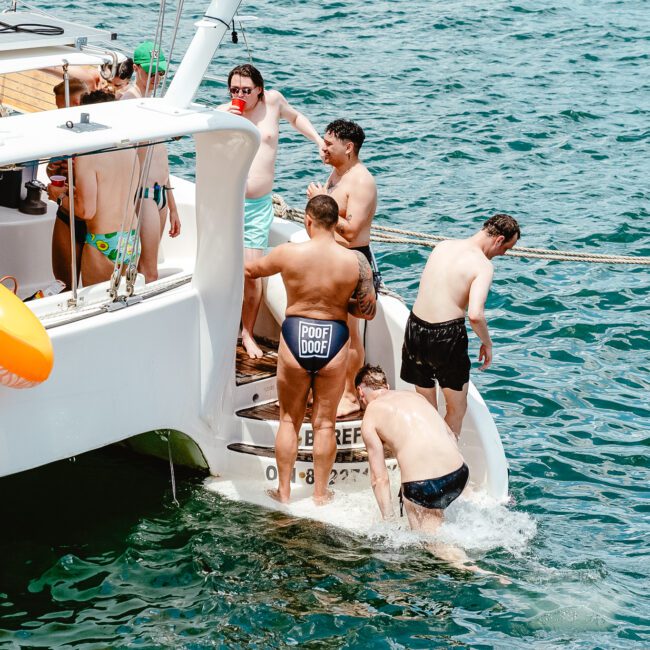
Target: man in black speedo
432 469
320 277
456 279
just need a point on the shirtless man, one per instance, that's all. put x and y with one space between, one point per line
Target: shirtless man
456 278
432 469
264 108
88 74
150 66
433 472
352 186
321 279
103 187
157 199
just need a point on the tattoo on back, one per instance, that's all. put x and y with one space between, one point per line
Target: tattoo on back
365 291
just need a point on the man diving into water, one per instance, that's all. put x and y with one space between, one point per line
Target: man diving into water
324 282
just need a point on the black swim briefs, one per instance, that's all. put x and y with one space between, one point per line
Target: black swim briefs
435 493
314 342
80 228
376 274
435 352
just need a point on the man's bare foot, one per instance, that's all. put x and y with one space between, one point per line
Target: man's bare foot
347 405
253 350
276 496
326 498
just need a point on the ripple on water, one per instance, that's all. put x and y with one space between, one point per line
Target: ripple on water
468 108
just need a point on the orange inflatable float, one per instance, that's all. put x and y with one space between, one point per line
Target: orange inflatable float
26 355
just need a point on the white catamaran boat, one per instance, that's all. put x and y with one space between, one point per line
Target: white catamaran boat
156 364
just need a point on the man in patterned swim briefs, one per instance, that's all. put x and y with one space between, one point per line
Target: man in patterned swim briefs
456 278
264 108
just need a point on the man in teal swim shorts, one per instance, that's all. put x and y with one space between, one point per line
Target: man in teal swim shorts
264 108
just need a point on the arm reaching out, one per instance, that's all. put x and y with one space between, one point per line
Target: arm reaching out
268 265
378 473
364 303
478 293
299 122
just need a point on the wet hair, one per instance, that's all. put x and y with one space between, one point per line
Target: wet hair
250 72
372 376
502 225
97 97
125 69
75 85
347 130
324 210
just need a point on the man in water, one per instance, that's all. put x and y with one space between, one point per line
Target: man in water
433 472
265 109
324 282
157 200
352 186
432 469
456 278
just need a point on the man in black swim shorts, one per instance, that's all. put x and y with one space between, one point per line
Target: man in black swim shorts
320 277
432 469
456 278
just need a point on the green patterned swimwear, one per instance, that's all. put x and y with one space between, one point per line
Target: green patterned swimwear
110 244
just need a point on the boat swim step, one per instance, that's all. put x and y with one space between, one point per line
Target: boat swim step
251 370
255 463
260 425
359 455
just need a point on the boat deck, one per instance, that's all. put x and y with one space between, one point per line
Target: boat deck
249 370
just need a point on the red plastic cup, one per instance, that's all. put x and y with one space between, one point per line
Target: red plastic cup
57 181
239 103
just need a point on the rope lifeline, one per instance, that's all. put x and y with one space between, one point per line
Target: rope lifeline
383 234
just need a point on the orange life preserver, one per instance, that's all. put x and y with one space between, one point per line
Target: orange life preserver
26 355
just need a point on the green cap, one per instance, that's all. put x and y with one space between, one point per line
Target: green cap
142 57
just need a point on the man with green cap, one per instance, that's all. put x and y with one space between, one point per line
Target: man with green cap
150 66
156 197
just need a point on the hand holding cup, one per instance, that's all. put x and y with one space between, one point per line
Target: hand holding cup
238 103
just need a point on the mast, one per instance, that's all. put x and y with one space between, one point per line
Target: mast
210 31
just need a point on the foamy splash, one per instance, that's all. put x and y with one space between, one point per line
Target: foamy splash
475 523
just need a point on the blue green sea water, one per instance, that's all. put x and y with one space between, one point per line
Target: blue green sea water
470 107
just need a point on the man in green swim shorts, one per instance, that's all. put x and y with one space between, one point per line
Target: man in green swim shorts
264 108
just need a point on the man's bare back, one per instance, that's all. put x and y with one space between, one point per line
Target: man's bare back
421 441
456 278
320 277
105 187
452 268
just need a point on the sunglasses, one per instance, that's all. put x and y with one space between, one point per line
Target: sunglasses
234 90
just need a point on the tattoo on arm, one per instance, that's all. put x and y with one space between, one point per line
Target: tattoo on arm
365 291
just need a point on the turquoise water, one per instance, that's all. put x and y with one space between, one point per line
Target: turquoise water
469 108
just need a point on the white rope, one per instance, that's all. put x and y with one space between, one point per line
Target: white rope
388 235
